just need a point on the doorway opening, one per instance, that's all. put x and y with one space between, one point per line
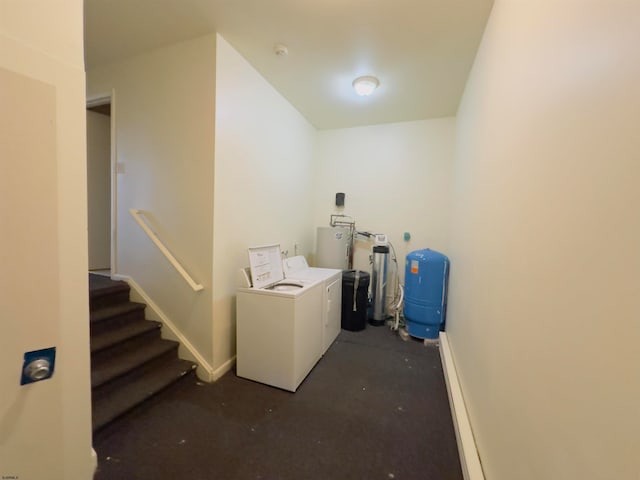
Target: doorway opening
101 187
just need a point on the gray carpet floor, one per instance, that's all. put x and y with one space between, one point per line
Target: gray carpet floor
374 407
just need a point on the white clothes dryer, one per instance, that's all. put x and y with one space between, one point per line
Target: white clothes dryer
297 268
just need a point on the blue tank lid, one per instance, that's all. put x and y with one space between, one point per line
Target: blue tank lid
427 254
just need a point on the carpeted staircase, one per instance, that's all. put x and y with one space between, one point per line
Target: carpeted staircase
130 363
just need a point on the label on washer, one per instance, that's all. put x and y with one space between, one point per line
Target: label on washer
266 265
339 235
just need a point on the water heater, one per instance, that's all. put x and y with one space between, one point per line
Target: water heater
333 246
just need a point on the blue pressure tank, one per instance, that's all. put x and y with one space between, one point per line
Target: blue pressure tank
425 293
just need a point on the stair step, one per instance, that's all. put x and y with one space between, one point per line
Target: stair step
115 316
111 403
99 282
121 309
122 333
114 362
103 291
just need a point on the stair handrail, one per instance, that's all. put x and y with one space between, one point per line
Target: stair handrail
137 215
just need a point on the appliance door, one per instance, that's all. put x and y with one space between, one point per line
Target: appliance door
333 314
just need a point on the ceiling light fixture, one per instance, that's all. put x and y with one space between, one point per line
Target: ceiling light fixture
365 86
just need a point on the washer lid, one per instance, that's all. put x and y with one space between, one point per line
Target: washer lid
266 265
294 265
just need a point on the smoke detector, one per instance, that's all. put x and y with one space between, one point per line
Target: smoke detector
280 50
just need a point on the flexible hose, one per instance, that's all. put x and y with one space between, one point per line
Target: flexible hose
396 325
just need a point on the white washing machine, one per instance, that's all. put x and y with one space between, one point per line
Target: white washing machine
297 268
278 322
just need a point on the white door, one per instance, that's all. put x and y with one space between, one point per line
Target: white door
45 427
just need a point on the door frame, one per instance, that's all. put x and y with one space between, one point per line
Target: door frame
94 101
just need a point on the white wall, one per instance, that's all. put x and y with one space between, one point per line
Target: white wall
396 177
543 307
45 427
164 116
263 182
99 189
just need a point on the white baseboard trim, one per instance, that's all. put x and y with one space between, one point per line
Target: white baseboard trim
469 459
94 462
224 368
186 351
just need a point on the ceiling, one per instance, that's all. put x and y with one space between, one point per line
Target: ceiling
420 50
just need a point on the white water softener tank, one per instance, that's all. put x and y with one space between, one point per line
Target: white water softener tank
379 281
333 246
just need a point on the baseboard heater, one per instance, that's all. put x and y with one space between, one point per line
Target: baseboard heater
469 459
